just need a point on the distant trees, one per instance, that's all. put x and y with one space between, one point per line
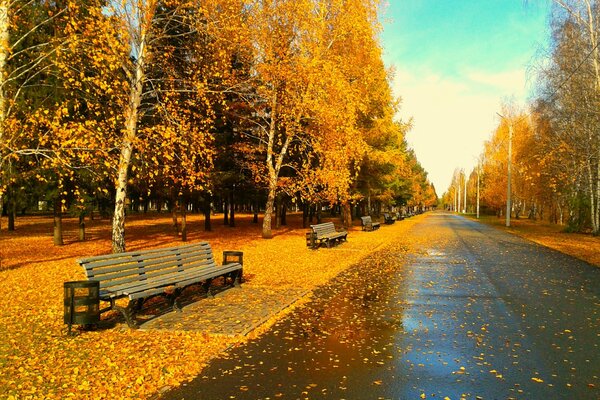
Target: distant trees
568 107
556 145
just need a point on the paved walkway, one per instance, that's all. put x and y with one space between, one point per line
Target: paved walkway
232 312
472 313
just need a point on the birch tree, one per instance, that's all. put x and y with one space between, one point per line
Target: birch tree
575 83
134 52
26 50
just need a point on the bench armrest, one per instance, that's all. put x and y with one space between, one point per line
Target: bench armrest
231 256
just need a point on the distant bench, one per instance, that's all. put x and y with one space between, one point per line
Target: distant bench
141 275
388 219
326 233
368 224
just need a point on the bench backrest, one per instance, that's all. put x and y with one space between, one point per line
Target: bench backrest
366 221
117 269
323 229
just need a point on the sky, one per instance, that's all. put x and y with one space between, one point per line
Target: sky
455 62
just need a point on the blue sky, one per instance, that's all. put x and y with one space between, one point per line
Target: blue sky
455 62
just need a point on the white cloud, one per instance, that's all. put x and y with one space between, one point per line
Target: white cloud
453 116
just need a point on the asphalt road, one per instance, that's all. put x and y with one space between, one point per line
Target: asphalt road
467 312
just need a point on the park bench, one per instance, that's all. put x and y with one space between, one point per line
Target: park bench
326 233
141 275
368 224
399 216
388 219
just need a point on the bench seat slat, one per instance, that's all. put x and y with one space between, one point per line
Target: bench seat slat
182 282
146 253
132 261
138 289
138 273
153 277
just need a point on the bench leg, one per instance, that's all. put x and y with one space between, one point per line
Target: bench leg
237 278
128 312
173 299
207 289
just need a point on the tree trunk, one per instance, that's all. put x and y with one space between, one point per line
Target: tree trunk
174 207
11 213
273 166
266 228
596 230
593 199
304 214
232 208
226 210
283 213
118 223
4 54
126 147
183 221
207 212
255 216
57 234
346 216
81 227
318 212
277 212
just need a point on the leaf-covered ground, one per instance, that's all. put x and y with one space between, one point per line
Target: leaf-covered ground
38 359
583 246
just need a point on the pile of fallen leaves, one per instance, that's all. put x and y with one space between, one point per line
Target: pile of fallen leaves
39 360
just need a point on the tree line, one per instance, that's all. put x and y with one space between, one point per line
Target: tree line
115 104
555 154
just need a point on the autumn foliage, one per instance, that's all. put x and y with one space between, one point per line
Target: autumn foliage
555 160
114 106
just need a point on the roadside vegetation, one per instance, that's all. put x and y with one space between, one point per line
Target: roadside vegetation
580 245
548 151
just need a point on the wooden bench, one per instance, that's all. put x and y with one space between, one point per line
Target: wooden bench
326 233
368 224
399 217
388 219
141 275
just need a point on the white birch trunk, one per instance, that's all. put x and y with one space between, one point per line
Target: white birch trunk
273 167
593 197
596 219
127 147
266 228
4 54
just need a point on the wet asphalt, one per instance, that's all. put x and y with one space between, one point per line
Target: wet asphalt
455 310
